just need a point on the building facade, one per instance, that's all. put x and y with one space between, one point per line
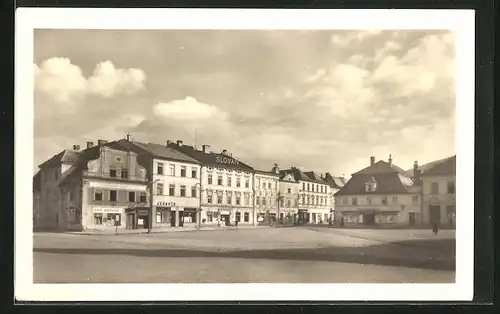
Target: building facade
175 182
227 186
382 193
36 199
289 197
439 202
335 184
266 196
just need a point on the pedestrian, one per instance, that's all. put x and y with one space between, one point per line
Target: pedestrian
435 228
341 222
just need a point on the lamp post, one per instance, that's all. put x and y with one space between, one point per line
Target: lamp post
199 206
151 188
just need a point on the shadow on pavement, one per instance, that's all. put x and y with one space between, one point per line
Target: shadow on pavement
433 254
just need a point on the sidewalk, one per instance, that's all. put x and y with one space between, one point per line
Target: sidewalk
162 230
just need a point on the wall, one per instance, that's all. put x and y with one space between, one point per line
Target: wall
319 200
117 160
50 196
289 192
71 202
36 208
442 198
266 188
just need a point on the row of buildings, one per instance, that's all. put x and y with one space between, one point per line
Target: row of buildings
129 184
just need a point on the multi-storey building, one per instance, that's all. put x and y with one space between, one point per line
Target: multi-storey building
266 196
439 192
226 185
380 193
288 196
335 183
175 181
103 187
36 199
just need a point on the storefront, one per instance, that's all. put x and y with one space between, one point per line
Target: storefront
225 216
303 217
137 218
190 215
108 217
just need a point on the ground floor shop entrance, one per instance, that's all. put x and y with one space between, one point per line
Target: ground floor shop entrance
137 218
369 218
190 215
303 216
177 218
412 219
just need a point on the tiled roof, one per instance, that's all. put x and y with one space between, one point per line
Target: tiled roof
443 167
210 159
315 177
267 173
334 182
387 183
298 175
164 152
426 166
65 156
381 167
37 181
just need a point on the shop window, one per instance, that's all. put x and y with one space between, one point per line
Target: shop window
210 179
112 173
246 217
193 191
131 197
142 197
97 219
113 195
161 216
183 171
183 190
171 190
194 173
159 168
124 174
98 196
112 219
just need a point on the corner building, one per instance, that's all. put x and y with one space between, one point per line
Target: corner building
226 186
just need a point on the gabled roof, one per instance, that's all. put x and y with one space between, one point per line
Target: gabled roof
313 176
66 156
211 159
298 175
387 183
423 168
158 151
267 173
443 167
37 181
381 167
334 182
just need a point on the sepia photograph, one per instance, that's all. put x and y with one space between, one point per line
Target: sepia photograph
247 155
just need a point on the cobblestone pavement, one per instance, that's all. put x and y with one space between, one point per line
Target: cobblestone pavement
302 254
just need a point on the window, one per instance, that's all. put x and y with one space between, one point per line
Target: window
395 199
112 195
229 199
414 198
131 197
303 186
210 216
354 201
193 191
303 200
263 185
451 187
112 173
247 183
71 195
171 190
288 203
209 199
384 200
219 180
194 173
345 201
113 219
369 199
124 173
308 187
257 200
183 190
246 217
171 170
317 200
269 185
97 219
219 199
183 171
229 181
238 182
159 168
263 201
289 191
317 188
210 178
159 189
98 196
434 188
238 199
142 197
238 217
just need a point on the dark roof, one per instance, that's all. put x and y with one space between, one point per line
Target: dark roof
313 176
268 173
334 182
381 167
65 156
211 159
158 151
298 175
387 183
37 181
443 167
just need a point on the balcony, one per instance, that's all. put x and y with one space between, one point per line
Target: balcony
117 177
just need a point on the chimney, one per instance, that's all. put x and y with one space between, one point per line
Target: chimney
101 142
179 143
128 137
372 160
415 166
169 142
90 144
224 152
276 169
390 159
417 174
76 147
206 149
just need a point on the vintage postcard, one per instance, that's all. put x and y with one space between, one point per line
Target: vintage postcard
244 154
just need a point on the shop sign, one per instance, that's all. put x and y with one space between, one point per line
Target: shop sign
108 210
226 160
165 204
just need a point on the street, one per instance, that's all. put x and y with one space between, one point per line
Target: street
268 255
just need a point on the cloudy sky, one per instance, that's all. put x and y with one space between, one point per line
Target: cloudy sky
320 100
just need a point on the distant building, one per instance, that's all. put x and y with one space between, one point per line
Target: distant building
266 186
36 198
381 193
226 185
439 203
288 196
335 183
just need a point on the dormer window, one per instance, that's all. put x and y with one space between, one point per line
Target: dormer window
371 186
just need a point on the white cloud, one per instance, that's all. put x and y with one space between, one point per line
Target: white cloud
187 109
353 37
63 82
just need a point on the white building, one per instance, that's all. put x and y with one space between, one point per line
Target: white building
335 183
226 186
266 196
289 197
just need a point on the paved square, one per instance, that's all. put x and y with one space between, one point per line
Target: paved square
269 255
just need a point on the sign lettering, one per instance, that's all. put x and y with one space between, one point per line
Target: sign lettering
166 204
226 160
108 210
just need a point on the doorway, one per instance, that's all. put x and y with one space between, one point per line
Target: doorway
434 214
369 219
129 224
411 219
227 222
